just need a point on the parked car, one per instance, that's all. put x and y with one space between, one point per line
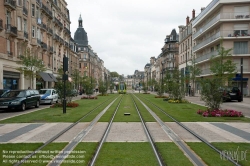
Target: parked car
231 93
20 99
48 96
2 91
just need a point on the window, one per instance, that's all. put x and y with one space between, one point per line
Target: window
241 47
19 23
33 10
85 73
85 65
8 46
33 31
19 2
24 25
84 56
240 29
80 65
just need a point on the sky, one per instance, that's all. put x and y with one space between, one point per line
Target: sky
125 34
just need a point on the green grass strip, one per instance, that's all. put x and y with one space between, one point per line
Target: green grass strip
56 114
125 153
172 155
186 112
81 158
11 153
127 106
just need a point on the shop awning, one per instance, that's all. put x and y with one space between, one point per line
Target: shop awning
53 77
46 77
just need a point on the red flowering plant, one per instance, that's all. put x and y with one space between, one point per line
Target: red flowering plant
220 113
89 97
70 104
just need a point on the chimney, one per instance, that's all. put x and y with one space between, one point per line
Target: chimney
193 14
187 20
202 9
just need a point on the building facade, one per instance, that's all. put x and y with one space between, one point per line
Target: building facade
41 26
224 23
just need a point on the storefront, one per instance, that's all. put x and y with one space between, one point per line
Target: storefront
11 80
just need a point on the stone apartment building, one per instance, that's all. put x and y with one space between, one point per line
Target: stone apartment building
41 26
228 21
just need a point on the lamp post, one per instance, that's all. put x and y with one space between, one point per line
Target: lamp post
65 78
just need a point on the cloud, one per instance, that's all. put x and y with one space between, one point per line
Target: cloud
126 33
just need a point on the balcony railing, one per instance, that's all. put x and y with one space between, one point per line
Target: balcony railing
38 41
26 35
208 40
66 44
205 71
43 26
38 2
25 10
11 4
204 12
46 10
206 56
67 30
223 34
50 49
50 31
44 45
219 17
11 29
1 24
61 40
58 22
56 37
10 54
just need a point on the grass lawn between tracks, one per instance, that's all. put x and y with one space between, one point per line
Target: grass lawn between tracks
184 112
126 106
240 152
56 114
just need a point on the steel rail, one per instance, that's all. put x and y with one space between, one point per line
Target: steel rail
157 154
57 135
103 139
195 134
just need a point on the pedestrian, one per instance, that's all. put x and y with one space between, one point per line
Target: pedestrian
28 87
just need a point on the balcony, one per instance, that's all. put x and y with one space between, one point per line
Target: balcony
25 11
11 30
56 37
230 35
57 22
170 59
50 49
218 18
38 2
26 35
50 31
66 44
67 31
10 4
61 40
38 42
43 27
205 57
44 46
1 24
46 10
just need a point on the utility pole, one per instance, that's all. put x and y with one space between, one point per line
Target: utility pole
241 80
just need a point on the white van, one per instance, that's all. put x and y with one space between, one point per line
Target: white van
48 96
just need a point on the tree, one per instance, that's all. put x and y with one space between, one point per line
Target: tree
222 68
76 78
145 88
102 87
173 84
87 85
114 74
194 71
30 66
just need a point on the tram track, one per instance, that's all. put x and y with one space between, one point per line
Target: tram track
194 158
61 133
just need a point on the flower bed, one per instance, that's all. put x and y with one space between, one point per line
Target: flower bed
178 101
71 104
220 113
89 97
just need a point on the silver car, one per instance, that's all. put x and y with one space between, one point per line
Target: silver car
48 96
